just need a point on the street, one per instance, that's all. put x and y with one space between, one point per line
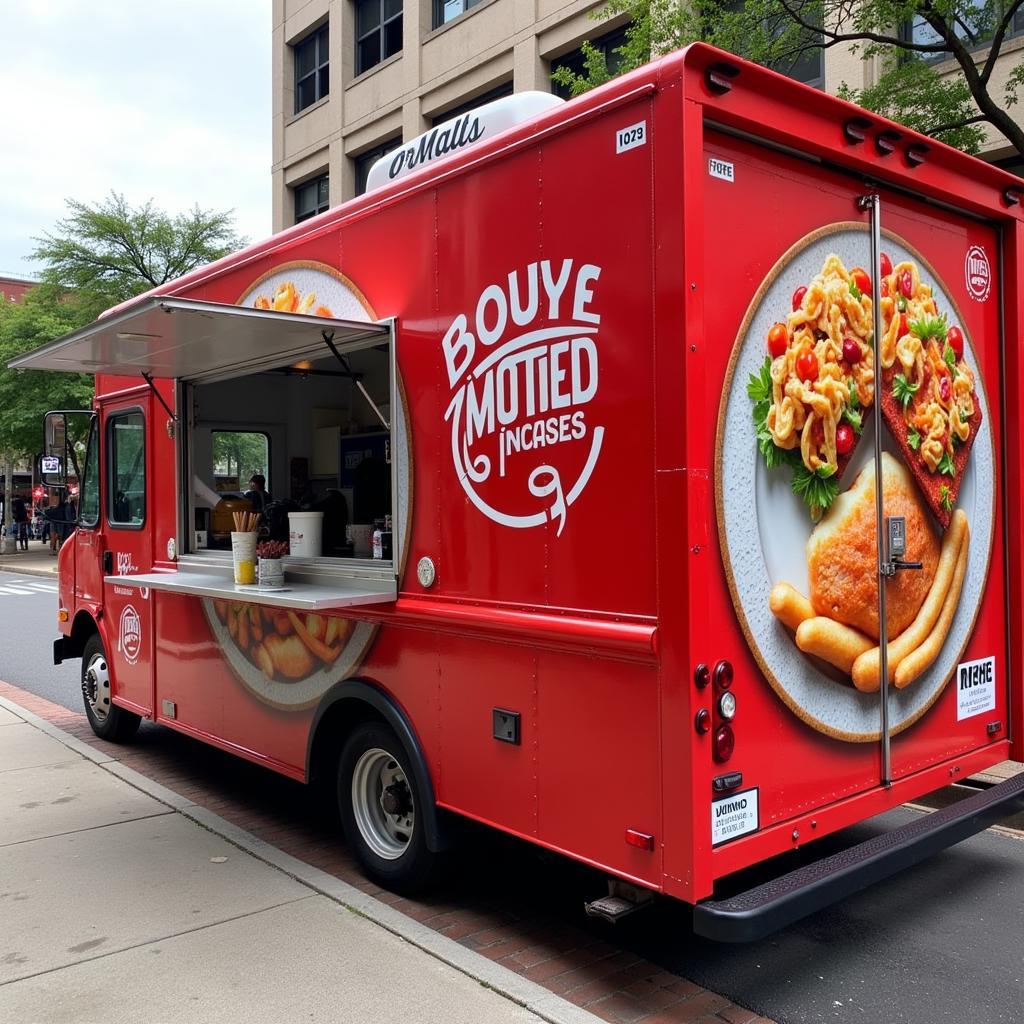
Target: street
941 943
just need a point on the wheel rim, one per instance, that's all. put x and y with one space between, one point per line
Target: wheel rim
96 687
383 804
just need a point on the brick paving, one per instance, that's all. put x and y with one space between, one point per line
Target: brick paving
571 961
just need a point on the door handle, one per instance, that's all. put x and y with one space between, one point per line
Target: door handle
890 568
108 562
898 563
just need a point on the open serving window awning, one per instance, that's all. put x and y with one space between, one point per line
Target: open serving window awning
183 338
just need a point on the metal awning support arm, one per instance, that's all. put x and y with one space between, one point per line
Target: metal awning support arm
160 398
328 337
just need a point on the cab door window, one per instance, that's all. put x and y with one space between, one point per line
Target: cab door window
126 459
89 497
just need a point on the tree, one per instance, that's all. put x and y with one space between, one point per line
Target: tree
906 36
25 395
111 251
96 257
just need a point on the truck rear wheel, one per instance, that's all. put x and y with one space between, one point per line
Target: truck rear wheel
380 803
107 720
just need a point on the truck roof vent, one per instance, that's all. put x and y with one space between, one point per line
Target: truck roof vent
916 153
453 136
885 142
718 77
856 130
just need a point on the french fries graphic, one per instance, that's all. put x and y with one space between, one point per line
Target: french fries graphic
285 645
287 299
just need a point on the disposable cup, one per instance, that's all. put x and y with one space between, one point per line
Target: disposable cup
271 572
243 552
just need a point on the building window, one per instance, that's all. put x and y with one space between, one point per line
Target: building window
312 198
311 79
446 10
608 45
974 28
807 66
366 160
477 101
238 455
378 32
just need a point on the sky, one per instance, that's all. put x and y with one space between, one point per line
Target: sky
166 100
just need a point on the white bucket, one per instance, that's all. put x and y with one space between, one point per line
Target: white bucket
360 536
305 533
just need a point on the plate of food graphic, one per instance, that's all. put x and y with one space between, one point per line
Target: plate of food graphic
287 658
315 289
795 484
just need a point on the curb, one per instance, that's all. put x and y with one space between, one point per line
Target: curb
528 994
29 570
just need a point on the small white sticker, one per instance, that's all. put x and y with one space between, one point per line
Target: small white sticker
975 688
631 137
721 169
733 816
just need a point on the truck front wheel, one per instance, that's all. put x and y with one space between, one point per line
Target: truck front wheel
108 721
379 803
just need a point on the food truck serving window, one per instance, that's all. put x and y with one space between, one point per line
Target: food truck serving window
126 455
329 473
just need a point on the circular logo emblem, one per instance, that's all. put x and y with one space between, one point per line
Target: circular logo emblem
978 273
130 634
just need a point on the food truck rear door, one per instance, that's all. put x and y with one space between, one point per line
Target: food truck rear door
958 702
785 698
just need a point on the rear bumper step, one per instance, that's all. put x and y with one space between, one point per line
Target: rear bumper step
766 908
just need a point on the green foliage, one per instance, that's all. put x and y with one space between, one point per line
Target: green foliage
781 33
97 256
112 251
912 92
240 453
25 395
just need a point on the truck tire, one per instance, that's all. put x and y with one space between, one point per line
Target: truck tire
107 720
380 803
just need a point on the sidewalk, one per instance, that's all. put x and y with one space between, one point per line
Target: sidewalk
124 902
37 561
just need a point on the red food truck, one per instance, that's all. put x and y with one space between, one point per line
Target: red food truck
636 399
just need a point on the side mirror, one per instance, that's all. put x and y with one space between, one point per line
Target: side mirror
65 436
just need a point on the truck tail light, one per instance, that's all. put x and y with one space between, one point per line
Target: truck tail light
641 840
724 743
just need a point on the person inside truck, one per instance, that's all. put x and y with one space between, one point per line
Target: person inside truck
257 495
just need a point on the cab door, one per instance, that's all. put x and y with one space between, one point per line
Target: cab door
126 538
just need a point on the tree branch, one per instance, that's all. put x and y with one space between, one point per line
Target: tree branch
852 37
997 40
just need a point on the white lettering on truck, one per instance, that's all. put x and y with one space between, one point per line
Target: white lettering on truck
519 389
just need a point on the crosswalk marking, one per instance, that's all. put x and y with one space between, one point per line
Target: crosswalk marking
27 589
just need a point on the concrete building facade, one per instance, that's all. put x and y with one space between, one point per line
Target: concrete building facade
354 78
